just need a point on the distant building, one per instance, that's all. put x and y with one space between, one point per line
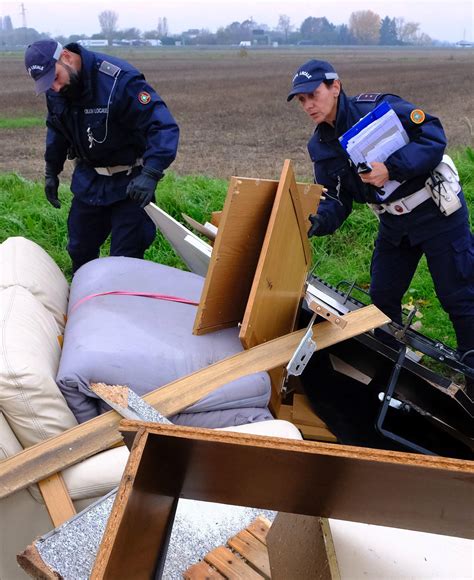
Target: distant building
464 44
88 42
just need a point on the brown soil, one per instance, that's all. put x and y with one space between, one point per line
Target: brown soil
232 110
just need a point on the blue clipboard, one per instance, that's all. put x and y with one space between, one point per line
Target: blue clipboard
379 111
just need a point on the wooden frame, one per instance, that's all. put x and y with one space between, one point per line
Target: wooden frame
243 225
410 491
281 273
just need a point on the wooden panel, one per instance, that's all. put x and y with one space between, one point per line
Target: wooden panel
280 276
140 522
194 252
406 490
297 548
78 443
303 412
242 228
230 565
57 499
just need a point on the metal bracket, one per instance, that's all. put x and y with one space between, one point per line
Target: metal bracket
303 352
308 346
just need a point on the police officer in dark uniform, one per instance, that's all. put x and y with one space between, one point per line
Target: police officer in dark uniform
103 114
411 222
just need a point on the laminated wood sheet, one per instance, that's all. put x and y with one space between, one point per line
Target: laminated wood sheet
243 225
349 483
280 277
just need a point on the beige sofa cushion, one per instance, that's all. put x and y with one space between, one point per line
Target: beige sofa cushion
29 355
25 263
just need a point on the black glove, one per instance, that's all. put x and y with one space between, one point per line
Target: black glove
142 188
51 184
316 224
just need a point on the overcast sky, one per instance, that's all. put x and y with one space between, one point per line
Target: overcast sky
449 20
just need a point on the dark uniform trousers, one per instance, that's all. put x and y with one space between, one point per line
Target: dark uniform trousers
132 231
450 259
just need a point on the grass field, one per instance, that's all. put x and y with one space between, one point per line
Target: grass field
234 119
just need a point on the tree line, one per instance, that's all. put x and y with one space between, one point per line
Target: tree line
364 27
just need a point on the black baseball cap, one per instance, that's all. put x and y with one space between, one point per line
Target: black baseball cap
40 62
310 75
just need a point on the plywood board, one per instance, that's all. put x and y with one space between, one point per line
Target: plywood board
280 276
242 228
56 453
348 483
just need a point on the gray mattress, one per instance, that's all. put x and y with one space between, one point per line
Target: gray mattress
146 343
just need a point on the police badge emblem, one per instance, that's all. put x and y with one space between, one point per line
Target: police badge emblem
417 116
144 98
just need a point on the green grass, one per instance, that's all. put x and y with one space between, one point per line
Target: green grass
343 256
21 122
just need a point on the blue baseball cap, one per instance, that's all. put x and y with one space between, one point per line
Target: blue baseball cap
40 62
310 75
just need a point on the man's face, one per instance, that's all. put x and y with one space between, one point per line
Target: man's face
321 104
66 81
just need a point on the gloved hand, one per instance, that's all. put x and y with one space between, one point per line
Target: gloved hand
142 188
316 225
51 185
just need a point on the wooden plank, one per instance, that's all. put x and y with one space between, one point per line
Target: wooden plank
57 499
43 459
280 277
123 546
204 229
303 412
285 413
259 529
418 492
202 571
252 550
297 549
230 565
313 433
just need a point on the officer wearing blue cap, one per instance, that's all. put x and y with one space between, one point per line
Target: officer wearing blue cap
412 224
103 114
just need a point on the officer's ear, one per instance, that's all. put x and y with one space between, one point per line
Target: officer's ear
336 88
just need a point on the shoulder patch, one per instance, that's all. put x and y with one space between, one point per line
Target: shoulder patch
144 98
368 97
108 68
417 116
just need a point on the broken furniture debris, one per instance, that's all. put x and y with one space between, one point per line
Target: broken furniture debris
272 343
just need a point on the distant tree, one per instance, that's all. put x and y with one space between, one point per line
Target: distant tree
284 25
365 26
7 24
388 32
108 24
129 33
162 27
318 30
407 32
343 35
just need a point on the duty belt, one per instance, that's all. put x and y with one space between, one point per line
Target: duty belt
118 168
403 205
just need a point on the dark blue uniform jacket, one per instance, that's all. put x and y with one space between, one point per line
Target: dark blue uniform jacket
411 165
123 113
